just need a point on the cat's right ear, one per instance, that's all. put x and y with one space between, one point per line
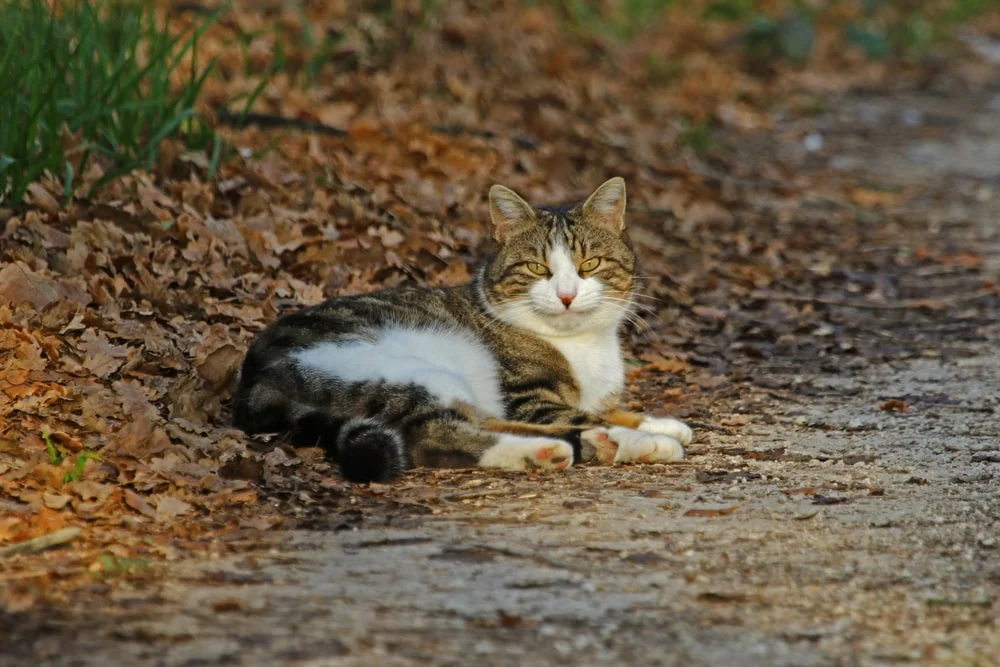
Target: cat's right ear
509 213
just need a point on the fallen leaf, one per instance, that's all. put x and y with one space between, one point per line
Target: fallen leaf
42 198
168 507
139 504
644 558
870 198
56 501
664 364
710 511
829 500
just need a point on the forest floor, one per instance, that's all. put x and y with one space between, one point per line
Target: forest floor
828 321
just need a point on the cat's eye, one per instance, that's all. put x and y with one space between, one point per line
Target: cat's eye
590 264
538 269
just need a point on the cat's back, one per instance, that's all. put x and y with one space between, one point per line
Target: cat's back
361 317
434 338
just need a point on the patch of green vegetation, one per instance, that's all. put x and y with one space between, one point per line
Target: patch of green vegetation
620 20
117 566
698 137
55 455
661 70
101 80
881 29
76 474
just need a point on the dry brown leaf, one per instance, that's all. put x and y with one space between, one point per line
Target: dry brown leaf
870 198
663 364
711 511
221 365
42 198
18 283
56 501
894 405
168 507
139 504
90 490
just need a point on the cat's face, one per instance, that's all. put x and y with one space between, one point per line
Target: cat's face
560 272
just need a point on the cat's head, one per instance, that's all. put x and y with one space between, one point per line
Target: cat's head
560 271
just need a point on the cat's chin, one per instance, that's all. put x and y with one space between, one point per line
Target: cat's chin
562 323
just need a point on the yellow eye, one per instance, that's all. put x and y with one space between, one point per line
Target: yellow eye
538 269
590 264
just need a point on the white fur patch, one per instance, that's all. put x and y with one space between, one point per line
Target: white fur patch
675 428
596 361
452 365
515 452
628 445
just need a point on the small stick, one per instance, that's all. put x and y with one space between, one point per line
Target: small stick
36 544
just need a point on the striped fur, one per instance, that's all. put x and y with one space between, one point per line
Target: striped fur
501 372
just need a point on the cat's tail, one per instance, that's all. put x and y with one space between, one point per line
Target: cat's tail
368 451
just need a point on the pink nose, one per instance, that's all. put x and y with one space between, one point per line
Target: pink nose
567 299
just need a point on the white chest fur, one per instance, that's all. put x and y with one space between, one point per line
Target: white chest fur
451 365
597 364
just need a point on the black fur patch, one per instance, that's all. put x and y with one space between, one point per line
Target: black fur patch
368 452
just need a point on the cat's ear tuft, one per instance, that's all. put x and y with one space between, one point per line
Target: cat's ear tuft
509 213
606 207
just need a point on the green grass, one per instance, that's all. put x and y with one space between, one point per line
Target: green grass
619 21
98 80
76 474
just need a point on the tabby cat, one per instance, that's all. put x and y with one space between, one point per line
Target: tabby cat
521 369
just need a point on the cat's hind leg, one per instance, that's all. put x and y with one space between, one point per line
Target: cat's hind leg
518 452
452 442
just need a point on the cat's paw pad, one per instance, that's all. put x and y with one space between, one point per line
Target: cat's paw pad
645 447
675 428
598 446
514 452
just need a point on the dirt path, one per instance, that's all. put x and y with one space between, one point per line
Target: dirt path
841 505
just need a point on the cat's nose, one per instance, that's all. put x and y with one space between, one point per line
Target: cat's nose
567 299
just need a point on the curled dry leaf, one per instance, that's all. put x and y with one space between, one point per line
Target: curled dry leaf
139 504
19 284
56 501
168 507
42 198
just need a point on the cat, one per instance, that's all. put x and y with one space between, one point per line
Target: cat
520 369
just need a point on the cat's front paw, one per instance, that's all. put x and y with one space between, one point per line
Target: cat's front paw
625 445
597 445
514 452
675 428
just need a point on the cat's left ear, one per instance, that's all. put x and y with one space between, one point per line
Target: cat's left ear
606 207
510 213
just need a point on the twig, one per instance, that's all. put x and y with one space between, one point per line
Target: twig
264 120
454 130
37 544
465 495
709 427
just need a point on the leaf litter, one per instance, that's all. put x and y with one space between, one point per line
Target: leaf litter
123 318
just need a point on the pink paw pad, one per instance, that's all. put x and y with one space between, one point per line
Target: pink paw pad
546 453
